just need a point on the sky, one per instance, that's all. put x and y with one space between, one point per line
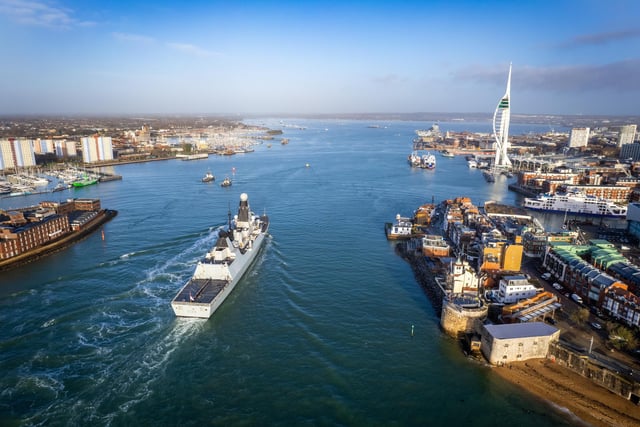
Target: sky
318 57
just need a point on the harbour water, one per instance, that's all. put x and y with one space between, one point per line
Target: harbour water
317 333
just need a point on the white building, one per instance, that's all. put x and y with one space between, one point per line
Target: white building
43 146
579 137
463 278
515 288
65 149
515 342
96 148
16 153
627 134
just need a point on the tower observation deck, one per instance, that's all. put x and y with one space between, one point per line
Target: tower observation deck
501 119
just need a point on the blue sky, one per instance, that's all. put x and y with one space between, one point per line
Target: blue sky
268 57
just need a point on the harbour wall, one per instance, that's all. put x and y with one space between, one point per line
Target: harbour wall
616 382
456 320
103 216
423 273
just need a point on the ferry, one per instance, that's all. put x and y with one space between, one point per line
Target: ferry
577 203
223 266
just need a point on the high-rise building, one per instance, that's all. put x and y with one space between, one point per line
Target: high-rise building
16 153
579 137
43 146
65 149
627 134
96 148
501 119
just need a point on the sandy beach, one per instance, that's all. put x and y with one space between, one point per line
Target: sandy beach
591 403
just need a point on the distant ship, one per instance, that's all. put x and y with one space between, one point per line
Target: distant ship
577 203
224 265
429 161
432 132
425 161
208 177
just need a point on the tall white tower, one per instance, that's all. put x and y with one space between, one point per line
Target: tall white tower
501 127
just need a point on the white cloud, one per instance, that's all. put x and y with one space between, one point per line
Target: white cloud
39 13
191 49
136 38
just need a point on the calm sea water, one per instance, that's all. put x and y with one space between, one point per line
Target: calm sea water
317 333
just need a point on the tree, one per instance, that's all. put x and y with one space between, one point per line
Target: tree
580 316
622 338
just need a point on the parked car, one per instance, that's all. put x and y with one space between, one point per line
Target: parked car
557 286
546 276
596 325
576 298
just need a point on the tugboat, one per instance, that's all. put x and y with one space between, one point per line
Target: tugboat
226 182
224 265
208 177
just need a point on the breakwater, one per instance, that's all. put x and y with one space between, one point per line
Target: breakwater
424 271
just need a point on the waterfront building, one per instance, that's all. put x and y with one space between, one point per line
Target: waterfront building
26 229
96 148
516 342
22 231
462 278
546 182
43 146
579 137
16 153
501 118
515 288
435 246
627 135
613 193
65 149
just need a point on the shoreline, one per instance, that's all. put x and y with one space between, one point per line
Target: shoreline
103 217
571 393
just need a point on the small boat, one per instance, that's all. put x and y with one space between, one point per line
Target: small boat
208 177
60 187
86 180
226 182
446 153
489 176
